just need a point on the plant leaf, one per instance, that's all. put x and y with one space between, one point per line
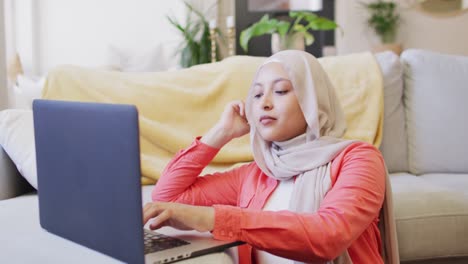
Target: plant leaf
283 27
383 18
264 18
196 47
309 16
309 38
244 38
264 26
326 24
293 13
321 23
221 36
176 24
186 57
205 45
299 28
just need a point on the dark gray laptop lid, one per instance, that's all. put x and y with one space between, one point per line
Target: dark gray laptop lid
88 168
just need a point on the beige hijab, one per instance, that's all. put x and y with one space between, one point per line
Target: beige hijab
307 156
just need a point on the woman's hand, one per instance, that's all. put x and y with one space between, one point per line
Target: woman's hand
234 120
180 216
232 124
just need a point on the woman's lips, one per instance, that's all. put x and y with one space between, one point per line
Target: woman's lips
266 120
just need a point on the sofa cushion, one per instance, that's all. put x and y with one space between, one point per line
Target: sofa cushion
436 91
21 232
393 147
17 139
431 213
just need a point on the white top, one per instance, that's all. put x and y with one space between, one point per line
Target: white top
278 200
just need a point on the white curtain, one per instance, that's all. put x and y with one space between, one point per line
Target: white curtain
3 82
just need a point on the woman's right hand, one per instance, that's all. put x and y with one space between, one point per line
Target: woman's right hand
233 119
232 124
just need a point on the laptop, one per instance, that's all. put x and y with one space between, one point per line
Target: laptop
88 168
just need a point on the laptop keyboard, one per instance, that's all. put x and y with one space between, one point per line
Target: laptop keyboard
157 242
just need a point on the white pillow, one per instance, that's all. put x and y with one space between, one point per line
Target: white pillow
394 146
436 91
26 90
160 57
17 139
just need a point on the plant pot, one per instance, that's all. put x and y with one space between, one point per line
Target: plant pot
395 47
289 41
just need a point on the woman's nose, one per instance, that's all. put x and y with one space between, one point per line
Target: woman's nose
266 102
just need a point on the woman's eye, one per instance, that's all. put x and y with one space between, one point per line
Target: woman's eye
258 95
281 92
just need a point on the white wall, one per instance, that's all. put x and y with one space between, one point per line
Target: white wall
20 19
54 32
79 32
418 30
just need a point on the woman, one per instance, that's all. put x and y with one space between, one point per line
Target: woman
309 196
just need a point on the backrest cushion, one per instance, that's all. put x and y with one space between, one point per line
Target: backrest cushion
17 139
394 146
436 104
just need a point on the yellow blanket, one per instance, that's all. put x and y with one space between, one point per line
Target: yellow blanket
174 107
358 81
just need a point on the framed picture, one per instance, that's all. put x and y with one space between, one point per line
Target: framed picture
283 5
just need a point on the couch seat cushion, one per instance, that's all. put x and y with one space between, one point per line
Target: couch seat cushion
431 214
22 239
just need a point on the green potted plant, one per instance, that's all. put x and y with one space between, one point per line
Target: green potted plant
384 21
285 34
196 46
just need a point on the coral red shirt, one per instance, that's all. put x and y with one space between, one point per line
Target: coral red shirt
346 219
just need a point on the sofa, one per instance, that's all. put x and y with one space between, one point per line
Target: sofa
423 144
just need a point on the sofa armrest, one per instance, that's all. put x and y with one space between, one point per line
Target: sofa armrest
12 183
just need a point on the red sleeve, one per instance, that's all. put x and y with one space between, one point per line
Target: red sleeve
346 212
179 181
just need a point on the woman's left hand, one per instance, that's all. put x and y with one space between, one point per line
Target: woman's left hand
180 216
